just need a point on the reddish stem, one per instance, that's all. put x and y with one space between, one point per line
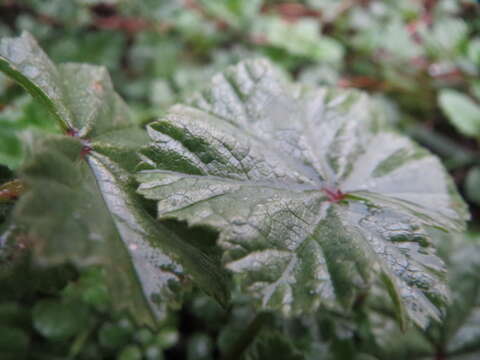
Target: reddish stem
85 151
71 132
11 190
334 195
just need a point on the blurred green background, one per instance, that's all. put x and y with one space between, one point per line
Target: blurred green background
420 60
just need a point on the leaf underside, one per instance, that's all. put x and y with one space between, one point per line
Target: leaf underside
315 201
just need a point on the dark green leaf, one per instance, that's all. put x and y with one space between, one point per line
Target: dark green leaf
113 336
314 200
462 325
60 321
273 346
13 343
81 206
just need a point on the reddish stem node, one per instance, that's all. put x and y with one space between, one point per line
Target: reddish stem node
334 195
71 132
11 190
85 151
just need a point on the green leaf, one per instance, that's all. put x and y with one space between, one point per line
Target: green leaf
462 112
236 13
458 336
301 38
81 206
445 37
314 200
130 352
273 345
113 335
473 50
461 329
24 113
58 320
80 96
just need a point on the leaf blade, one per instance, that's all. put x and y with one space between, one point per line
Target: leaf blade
258 159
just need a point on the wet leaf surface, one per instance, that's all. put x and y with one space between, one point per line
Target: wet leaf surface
81 190
314 199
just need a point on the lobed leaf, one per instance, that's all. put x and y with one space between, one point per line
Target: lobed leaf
81 206
314 200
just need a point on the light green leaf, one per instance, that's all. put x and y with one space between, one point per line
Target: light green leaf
236 13
24 113
473 50
446 36
301 38
267 164
81 206
462 112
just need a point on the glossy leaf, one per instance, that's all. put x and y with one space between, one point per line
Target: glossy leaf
81 206
71 221
80 96
458 336
314 200
461 329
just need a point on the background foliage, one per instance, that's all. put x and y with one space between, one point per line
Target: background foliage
420 61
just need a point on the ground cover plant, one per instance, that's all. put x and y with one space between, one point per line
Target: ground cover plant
239 180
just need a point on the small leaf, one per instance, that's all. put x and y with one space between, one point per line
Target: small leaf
462 112
113 336
23 113
314 200
301 38
60 321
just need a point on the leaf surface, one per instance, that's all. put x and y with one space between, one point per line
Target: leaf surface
315 201
81 206
462 112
